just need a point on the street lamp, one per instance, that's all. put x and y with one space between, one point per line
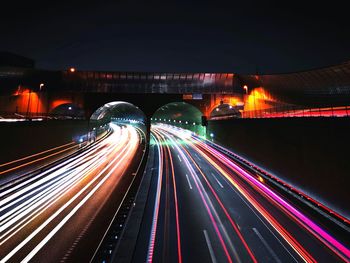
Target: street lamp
28 106
245 87
212 136
41 86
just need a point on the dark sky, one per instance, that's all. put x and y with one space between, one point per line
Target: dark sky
205 36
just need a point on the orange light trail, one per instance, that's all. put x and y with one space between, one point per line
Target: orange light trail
63 190
36 154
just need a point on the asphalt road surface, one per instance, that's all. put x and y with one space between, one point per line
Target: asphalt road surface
62 213
202 207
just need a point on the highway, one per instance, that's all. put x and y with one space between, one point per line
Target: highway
62 213
202 207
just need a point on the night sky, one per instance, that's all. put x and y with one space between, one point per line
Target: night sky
203 36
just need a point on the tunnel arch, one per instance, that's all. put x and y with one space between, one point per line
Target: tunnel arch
180 114
118 110
68 110
224 110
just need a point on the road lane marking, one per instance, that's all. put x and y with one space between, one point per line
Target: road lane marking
179 158
273 254
189 183
217 180
53 216
211 251
262 221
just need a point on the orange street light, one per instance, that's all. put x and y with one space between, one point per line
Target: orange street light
72 70
245 87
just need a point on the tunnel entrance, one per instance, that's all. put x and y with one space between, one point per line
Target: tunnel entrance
225 110
67 111
180 114
119 112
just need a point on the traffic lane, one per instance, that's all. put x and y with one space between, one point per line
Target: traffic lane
36 189
299 248
47 206
262 239
169 251
18 169
163 235
63 199
48 179
218 236
68 164
199 240
87 227
306 240
49 212
252 235
75 226
165 249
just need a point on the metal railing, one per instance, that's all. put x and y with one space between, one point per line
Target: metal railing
298 111
35 116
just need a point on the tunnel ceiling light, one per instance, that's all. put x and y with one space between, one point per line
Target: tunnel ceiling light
217 109
212 135
194 123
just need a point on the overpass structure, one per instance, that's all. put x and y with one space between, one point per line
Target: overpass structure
30 91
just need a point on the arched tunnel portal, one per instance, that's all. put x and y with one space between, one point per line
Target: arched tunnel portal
180 114
120 112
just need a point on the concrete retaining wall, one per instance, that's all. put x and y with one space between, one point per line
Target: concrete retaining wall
19 139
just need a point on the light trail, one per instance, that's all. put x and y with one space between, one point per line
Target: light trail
219 160
234 225
68 164
313 228
208 206
37 160
156 204
86 198
36 154
60 192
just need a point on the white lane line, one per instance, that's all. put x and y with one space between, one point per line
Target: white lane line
43 225
262 221
217 180
197 156
189 183
179 158
273 254
211 251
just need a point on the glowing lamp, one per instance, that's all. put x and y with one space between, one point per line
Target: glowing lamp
245 87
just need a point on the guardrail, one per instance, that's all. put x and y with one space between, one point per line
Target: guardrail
286 188
18 116
297 111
